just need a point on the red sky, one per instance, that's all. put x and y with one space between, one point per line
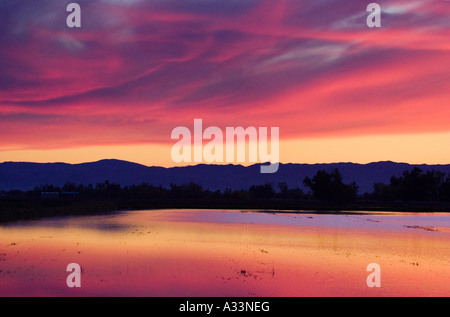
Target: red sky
135 70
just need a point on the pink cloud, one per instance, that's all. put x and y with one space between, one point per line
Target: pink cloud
133 73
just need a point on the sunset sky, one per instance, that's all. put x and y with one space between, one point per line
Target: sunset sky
135 70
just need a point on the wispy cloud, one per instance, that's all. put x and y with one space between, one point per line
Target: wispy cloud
136 69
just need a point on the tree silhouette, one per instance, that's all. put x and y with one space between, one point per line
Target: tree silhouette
330 187
414 185
445 190
261 191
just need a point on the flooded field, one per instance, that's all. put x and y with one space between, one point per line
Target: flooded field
227 253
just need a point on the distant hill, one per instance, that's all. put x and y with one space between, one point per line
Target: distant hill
24 176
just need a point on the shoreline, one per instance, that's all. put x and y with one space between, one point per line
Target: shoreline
32 209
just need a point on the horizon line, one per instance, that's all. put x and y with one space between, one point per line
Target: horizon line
225 164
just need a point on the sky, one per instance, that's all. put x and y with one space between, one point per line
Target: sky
338 90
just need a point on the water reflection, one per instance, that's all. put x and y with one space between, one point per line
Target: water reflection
227 253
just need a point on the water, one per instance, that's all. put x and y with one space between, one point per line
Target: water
227 253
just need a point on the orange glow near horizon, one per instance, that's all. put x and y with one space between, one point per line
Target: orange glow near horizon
413 149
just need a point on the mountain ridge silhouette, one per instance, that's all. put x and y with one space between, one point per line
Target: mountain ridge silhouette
27 175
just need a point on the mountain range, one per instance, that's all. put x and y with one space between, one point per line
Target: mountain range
25 176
